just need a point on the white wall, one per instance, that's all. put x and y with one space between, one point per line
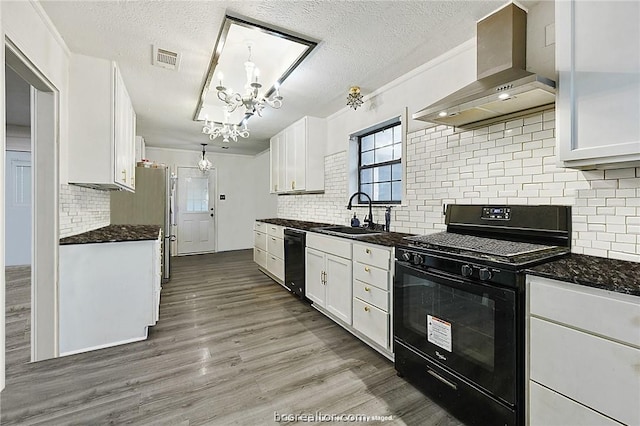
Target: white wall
2 165
242 180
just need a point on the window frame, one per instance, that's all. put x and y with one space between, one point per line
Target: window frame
361 199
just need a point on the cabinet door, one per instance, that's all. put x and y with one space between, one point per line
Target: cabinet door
275 163
297 155
598 103
120 124
339 287
314 276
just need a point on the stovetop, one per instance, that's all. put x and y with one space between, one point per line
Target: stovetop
482 249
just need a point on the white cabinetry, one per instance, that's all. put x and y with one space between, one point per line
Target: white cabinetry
109 293
260 244
328 275
101 126
275 251
584 352
371 293
268 249
598 102
297 157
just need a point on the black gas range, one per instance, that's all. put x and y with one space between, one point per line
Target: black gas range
459 306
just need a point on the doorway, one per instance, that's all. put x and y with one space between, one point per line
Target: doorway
196 211
32 186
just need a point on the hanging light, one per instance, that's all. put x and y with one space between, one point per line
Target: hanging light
225 129
252 102
204 165
354 98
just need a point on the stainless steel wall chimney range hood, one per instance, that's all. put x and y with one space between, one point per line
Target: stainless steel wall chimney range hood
504 86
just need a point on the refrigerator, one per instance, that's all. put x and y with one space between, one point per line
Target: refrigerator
150 204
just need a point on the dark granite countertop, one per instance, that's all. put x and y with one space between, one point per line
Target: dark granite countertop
114 233
296 224
609 274
388 239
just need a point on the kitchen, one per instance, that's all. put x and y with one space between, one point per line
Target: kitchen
521 170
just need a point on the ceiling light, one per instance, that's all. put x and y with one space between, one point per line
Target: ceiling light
442 114
253 103
504 96
225 129
354 98
204 165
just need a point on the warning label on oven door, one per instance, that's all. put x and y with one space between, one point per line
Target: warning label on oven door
439 332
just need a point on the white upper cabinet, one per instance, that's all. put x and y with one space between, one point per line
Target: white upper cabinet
598 103
102 126
297 157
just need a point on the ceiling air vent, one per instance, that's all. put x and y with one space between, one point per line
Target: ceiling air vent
165 58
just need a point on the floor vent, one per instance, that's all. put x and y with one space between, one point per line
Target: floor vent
165 58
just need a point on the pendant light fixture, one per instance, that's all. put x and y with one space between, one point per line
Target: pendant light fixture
354 98
204 165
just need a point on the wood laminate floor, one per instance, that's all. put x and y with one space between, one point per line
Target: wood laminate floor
231 348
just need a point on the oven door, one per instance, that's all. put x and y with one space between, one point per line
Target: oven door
465 326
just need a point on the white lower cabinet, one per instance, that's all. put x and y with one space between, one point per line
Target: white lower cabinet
583 354
547 408
109 293
372 285
328 275
371 321
268 249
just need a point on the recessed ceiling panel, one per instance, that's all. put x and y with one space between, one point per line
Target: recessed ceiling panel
274 53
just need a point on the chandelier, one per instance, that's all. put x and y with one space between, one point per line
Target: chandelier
204 165
225 129
253 103
354 98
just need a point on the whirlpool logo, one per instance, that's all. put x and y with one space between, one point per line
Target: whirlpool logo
442 357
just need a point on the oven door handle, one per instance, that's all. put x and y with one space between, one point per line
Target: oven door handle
442 379
431 272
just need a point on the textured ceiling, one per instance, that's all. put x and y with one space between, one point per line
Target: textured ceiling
365 43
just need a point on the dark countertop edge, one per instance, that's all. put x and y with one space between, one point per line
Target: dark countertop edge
395 237
114 234
546 270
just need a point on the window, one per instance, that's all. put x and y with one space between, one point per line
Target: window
380 164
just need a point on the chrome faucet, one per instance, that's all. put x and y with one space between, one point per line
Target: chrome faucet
370 219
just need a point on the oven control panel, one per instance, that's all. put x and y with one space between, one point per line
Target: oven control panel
496 213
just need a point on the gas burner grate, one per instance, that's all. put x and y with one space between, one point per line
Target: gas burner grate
477 244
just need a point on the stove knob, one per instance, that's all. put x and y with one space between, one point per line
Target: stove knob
467 270
417 259
484 274
406 256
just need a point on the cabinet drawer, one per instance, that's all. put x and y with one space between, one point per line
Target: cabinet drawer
260 240
260 257
275 265
275 231
333 245
547 407
371 321
371 275
275 246
593 371
597 311
371 295
260 226
378 257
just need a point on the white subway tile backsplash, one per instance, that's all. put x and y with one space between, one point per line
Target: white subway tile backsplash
82 209
512 162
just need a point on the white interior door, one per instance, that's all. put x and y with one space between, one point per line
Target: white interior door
18 208
196 211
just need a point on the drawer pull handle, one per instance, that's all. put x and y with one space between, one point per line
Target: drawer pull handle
367 289
273 239
366 309
366 269
367 251
442 379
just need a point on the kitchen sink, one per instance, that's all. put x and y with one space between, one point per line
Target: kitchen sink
347 230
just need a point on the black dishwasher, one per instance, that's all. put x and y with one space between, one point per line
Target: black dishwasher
294 259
